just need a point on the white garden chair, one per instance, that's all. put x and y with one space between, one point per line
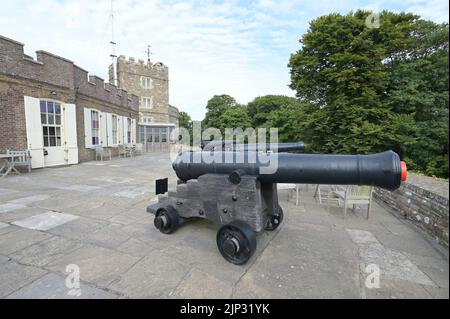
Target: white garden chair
354 195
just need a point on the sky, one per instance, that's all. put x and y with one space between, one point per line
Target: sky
240 48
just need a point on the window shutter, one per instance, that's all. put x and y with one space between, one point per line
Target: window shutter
103 129
70 138
124 130
109 121
35 142
133 131
119 130
87 128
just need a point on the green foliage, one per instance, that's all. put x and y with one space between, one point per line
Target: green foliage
234 117
185 121
282 112
418 87
371 89
216 106
261 108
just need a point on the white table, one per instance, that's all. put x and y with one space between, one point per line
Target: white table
8 164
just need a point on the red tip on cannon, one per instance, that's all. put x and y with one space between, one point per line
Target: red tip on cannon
404 171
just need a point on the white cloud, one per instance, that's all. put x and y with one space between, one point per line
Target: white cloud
241 49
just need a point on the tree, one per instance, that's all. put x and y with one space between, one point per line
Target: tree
185 121
215 107
418 88
261 108
289 120
234 117
371 89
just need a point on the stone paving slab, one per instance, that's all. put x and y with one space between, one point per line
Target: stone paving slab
29 199
20 239
103 212
45 221
21 213
8 207
98 265
4 259
8 228
60 204
52 286
7 191
135 247
14 276
44 252
438 293
211 287
79 228
397 289
110 236
155 276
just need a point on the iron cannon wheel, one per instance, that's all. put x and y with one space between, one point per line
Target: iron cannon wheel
236 242
166 220
275 220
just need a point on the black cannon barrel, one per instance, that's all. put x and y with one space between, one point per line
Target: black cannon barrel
384 169
276 147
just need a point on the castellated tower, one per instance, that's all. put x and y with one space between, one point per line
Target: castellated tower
150 82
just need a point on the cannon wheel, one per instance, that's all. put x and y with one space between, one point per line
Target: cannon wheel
275 220
166 220
236 242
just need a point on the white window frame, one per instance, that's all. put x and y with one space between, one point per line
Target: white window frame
129 130
147 102
95 130
47 125
146 83
147 119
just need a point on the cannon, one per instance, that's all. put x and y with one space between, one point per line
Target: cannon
264 147
238 190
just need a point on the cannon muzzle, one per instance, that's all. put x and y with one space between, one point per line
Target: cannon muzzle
384 169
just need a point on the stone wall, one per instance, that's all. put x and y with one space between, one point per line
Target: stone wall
174 115
421 200
51 77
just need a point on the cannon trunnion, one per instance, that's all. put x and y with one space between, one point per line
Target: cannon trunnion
245 202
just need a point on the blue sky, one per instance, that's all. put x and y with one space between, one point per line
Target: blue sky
239 48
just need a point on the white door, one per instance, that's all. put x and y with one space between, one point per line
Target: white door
70 134
53 132
34 131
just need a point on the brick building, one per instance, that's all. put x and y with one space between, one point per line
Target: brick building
150 82
57 111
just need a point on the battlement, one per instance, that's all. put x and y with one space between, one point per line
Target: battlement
60 72
122 59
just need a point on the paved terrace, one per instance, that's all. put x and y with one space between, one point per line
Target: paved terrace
93 215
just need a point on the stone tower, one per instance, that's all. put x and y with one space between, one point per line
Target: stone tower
150 82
